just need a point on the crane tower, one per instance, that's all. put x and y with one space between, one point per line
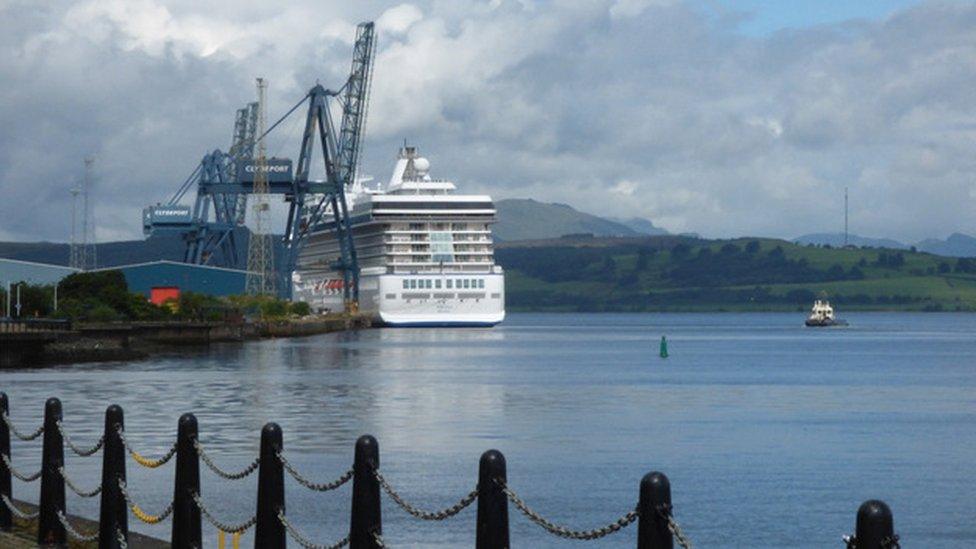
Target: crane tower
260 249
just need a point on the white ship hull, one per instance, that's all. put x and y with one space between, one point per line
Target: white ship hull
405 300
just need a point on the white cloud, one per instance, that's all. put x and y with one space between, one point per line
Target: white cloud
618 107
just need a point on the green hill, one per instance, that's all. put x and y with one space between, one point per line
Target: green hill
685 274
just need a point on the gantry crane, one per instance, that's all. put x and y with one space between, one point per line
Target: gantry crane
223 180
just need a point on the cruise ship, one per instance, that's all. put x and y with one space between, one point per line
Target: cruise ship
425 253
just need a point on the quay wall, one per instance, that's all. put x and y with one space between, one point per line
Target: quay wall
96 342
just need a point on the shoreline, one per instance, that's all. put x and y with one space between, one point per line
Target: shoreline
114 341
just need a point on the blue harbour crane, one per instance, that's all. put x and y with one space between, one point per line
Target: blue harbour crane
223 180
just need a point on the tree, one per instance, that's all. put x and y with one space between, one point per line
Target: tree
835 272
965 265
752 247
300 308
644 255
680 251
944 267
730 249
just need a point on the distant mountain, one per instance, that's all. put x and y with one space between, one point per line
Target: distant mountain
108 254
956 245
527 219
640 225
837 240
126 252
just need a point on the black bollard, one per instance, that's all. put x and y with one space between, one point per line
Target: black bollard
269 532
875 525
367 518
114 515
186 532
654 507
6 519
50 531
492 502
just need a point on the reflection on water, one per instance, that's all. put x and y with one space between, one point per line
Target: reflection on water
751 416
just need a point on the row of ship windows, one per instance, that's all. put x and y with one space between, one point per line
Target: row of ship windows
450 283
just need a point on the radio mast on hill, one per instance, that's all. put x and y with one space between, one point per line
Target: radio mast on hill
845 217
260 251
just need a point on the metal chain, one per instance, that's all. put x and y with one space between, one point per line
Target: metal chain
318 487
144 461
83 452
75 489
139 513
228 528
304 541
220 472
420 513
17 512
123 544
18 474
891 542
563 532
18 434
679 536
378 538
75 533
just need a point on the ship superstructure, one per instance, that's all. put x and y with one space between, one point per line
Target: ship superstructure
425 253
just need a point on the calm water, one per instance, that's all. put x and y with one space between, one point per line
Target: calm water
772 434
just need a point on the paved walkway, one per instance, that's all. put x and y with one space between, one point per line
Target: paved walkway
24 534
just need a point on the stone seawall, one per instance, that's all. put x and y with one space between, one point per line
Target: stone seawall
99 342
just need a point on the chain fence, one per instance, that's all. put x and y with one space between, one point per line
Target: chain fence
144 461
18 474
562 531
139 513
303 540
85 538
83 452
222 473
229 528
420 513
891 542
74 488
13 429
318 487
22 515
679 536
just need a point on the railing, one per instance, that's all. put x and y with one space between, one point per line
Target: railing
653 512
33 325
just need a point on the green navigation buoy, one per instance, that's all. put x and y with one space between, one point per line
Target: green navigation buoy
664 347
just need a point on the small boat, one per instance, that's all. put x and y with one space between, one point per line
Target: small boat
822 315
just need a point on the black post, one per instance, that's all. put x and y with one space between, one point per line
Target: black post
654 507
114 515
269 532
50 531
492 502
366 517
186 514
875 525
6 520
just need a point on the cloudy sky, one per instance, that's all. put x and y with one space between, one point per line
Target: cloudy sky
724 117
